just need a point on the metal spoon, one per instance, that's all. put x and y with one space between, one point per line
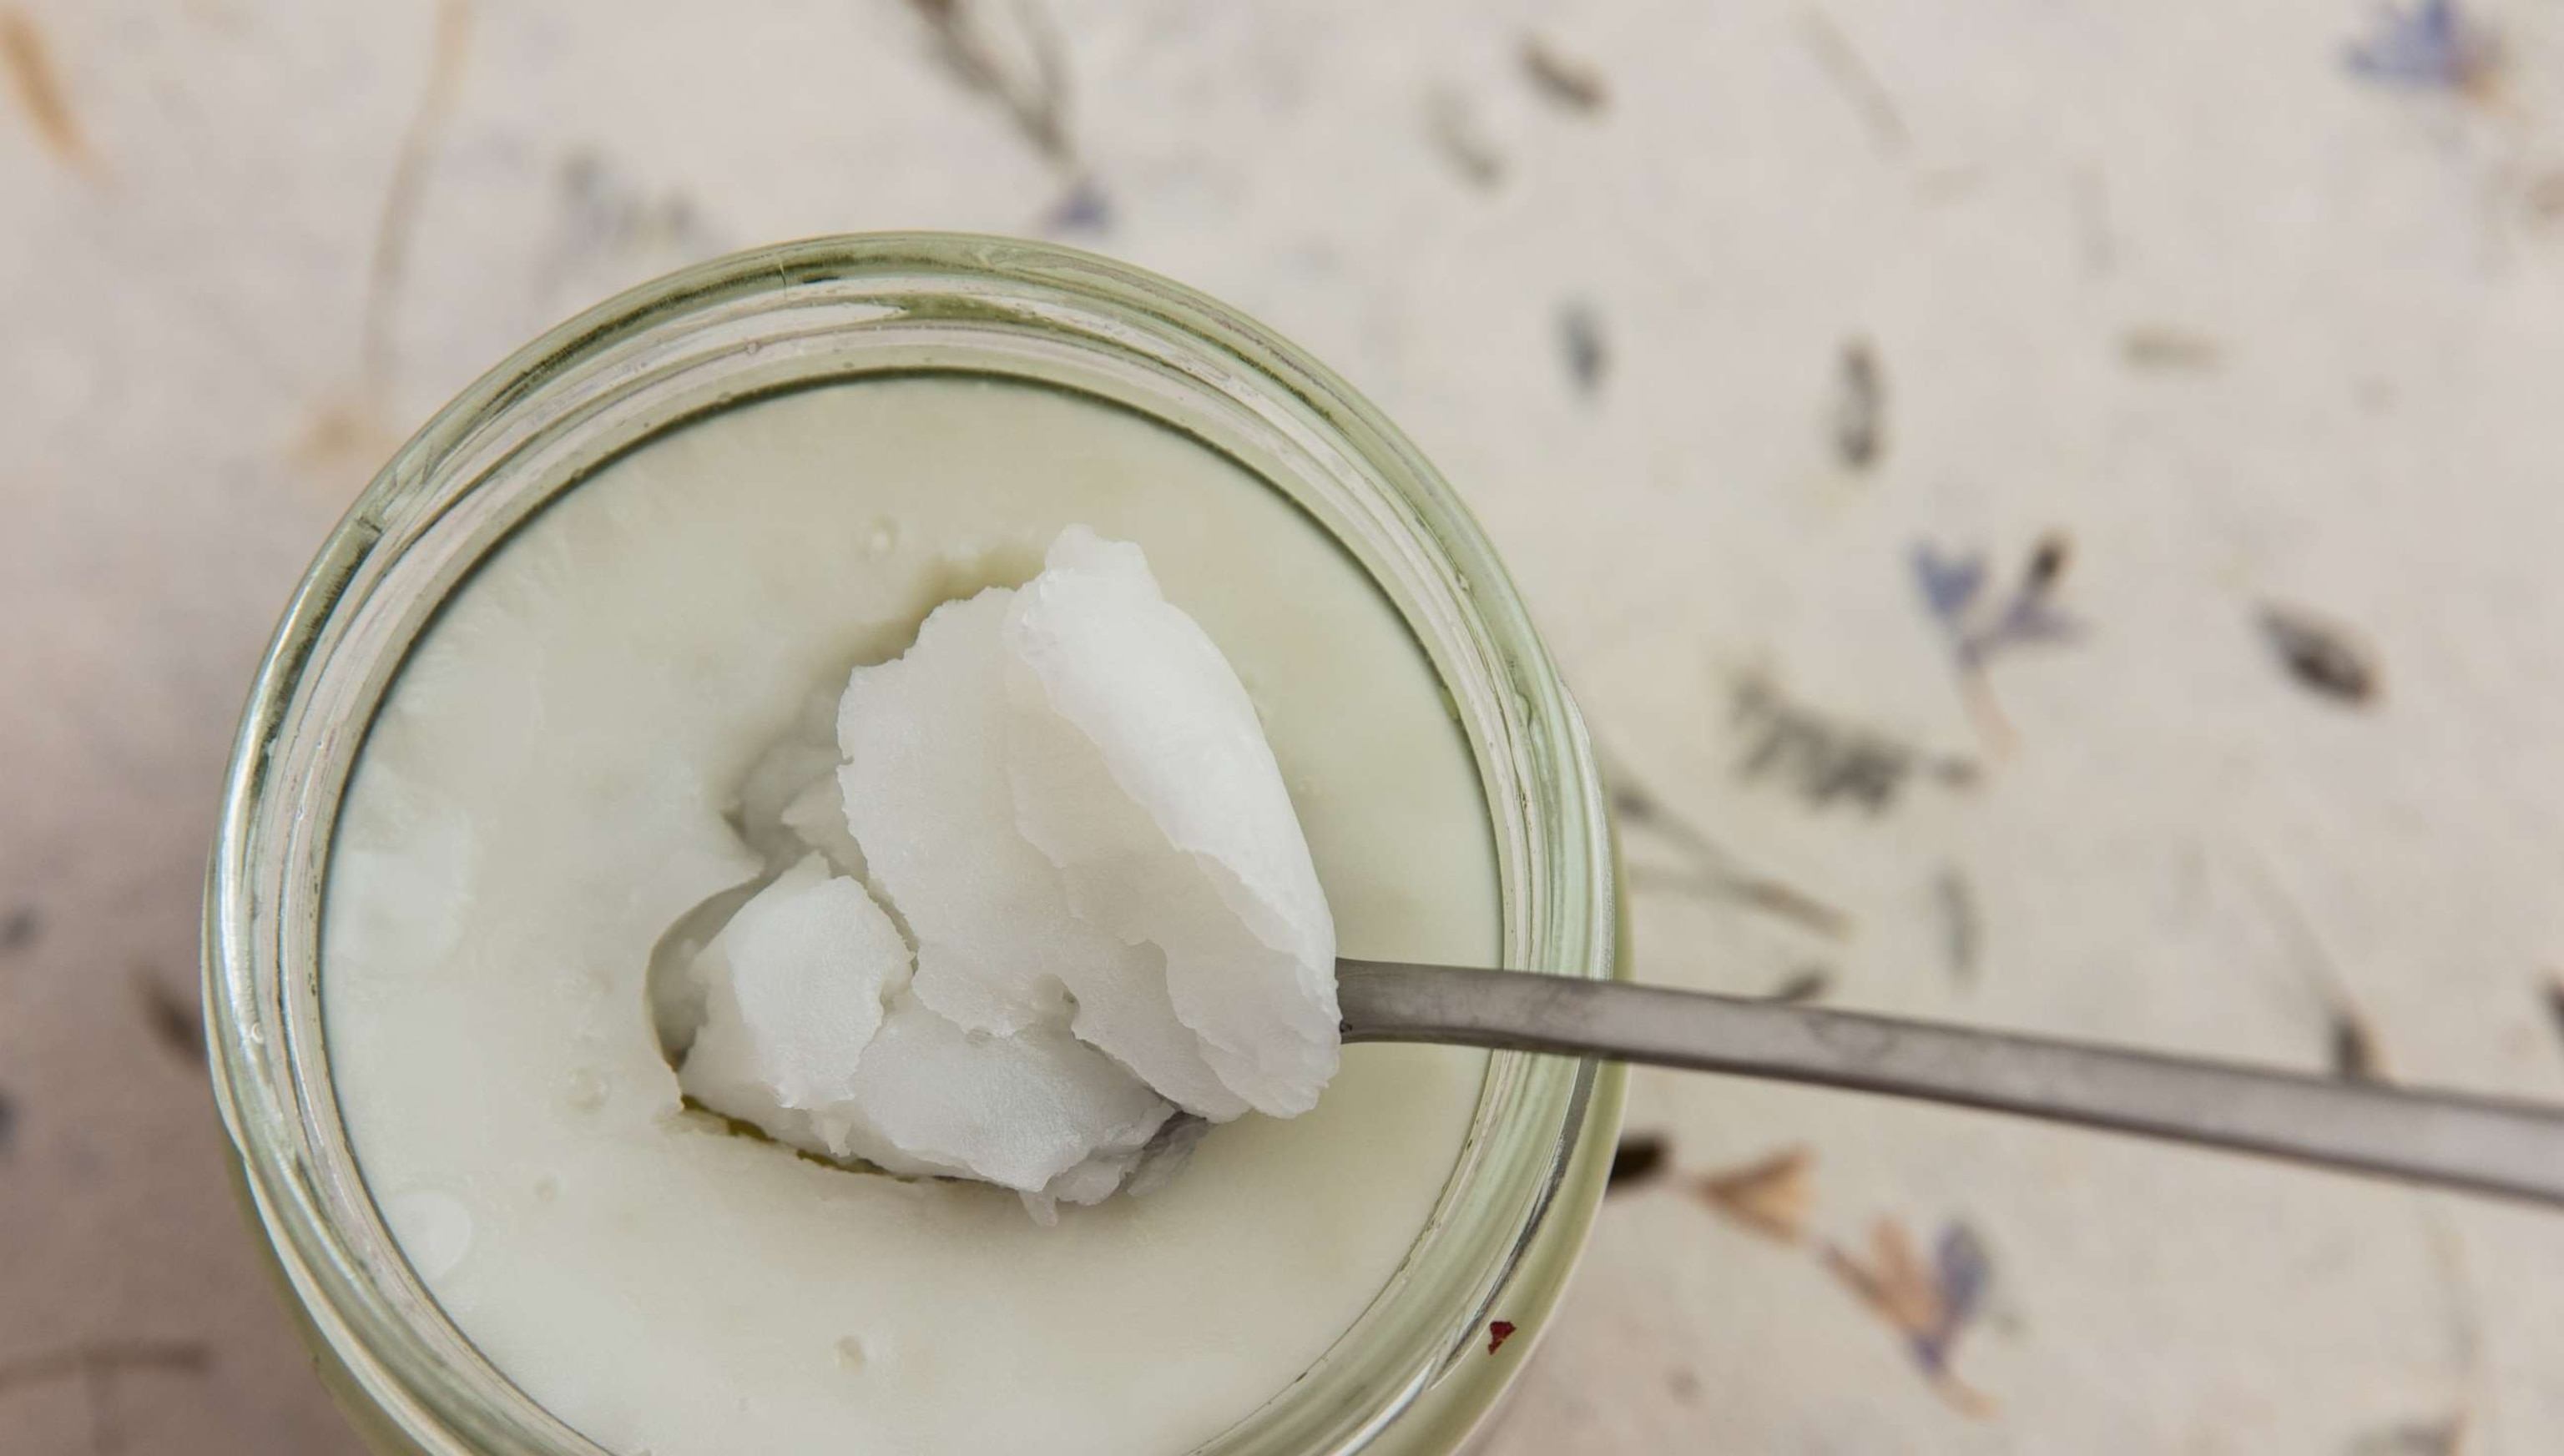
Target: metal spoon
2511 1148
2489 1146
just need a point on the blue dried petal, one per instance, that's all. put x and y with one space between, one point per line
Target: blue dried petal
1085 209
2030 617
1579 336
2427 45
1962 1273
1949 584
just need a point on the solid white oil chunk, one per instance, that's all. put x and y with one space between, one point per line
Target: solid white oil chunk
793 990
1139 769
1065 793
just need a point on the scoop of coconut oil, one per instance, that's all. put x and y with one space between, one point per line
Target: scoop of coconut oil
1047 912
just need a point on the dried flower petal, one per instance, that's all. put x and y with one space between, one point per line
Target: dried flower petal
2323 657
1640 1158
2355 1057
29 62
2429 45
1807 983
2444 1437
1084 208
1454 125
1572 83
1025 74
1950 584
1931 1308
1770 1195
1861 410
1579 338
1962 925
1850 73
1963 1272
2154 347
1893 1282
172 1020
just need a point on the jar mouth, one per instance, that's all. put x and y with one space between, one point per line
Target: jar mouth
838 309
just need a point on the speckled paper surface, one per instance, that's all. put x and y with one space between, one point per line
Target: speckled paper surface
1775 344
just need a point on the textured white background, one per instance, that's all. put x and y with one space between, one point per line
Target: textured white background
2174 280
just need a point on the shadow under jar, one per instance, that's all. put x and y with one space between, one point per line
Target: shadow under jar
488 758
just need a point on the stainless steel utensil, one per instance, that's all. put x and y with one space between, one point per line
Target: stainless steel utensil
2511 1148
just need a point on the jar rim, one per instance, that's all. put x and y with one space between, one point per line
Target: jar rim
348 624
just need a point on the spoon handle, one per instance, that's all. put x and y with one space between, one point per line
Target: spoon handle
2511 1148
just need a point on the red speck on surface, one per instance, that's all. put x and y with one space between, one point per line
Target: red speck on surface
1498 1331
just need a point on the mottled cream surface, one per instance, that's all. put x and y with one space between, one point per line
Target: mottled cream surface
547 790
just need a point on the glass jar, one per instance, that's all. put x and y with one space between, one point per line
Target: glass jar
1414 1375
